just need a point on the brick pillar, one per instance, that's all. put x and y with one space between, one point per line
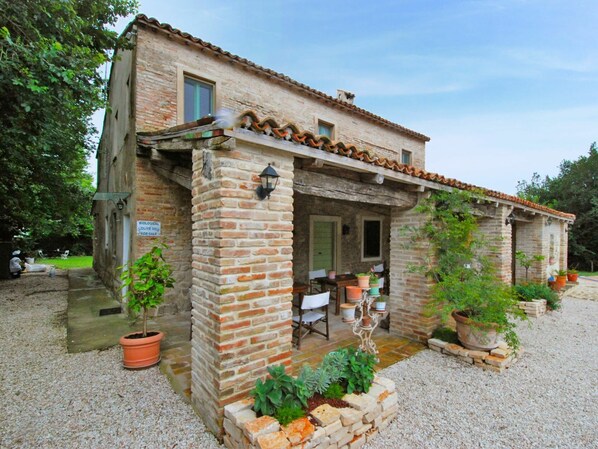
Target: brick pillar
242 276
564 242
409 292
530 240
497 234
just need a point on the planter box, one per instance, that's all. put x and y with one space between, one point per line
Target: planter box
533 308
325 427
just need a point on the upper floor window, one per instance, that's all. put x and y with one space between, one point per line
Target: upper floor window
325 129
406 157
199 99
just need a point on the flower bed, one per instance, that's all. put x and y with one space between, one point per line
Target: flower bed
533 308
497 360
325 426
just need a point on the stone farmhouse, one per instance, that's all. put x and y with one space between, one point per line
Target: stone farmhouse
172 167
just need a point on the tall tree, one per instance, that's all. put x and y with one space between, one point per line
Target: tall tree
573 190
50 52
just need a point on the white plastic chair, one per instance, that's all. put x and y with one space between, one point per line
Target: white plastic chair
309 316
379 268
314 286
65 254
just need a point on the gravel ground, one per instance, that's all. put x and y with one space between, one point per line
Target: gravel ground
547 400
51 399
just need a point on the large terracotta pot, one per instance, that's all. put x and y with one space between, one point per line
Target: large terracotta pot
572 277
561 281
141 352
473 337
353 293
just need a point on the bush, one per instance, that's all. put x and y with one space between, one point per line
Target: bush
289 413
334 391
446 334
533 290
359 372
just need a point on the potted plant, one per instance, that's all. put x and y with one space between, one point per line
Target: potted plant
466 286
380 303
572 275
348 312
561 279
363 280
353 293
145 282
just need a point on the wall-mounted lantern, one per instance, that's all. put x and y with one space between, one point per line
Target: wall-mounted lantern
120 205
269 179
548 221
510 219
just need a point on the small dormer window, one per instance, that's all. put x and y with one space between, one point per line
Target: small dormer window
406 157
325 129
199 99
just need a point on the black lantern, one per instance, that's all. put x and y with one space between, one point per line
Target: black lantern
269 179
510 219
120 205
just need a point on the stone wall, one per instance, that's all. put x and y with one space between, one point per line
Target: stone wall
163 62
242 276
409 292
351 214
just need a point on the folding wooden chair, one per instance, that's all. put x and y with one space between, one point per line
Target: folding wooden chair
314 286
310 314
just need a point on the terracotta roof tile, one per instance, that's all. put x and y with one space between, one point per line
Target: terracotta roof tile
249 120
142 19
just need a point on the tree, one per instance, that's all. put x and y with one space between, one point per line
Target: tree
50 52
573 190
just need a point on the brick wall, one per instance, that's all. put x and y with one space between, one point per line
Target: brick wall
409 292
529 240
242 276
350 214
161 60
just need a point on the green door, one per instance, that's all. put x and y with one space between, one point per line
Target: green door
324 245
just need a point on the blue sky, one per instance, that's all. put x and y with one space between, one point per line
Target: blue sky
504 88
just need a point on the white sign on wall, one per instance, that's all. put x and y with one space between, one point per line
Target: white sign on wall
148 228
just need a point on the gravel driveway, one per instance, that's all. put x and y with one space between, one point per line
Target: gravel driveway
51 399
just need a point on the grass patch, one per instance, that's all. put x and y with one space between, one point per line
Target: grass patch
67 264
588 273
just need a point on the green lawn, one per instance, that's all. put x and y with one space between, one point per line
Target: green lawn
588 273
70 262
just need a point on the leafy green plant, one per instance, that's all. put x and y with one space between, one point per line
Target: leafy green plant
335 364
572 271
146 281
316 381
301 392
359 372
374 279
363 274
561 273
446 334
273 392
288 413
526 262
382 298
465 278
334 391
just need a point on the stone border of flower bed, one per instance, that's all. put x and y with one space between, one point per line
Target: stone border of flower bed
534 308
497 360
349 427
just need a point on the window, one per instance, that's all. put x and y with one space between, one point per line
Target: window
371 241
406 157
325 129
199 99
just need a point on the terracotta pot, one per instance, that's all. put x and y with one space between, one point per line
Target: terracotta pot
141 352
348 312
332 274
353 293
572 277
366 320
363 281
561 281
474 337
552 285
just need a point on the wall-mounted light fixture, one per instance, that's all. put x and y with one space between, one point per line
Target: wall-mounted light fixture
120 205
548 221
269 179
119 199
510 219
346 229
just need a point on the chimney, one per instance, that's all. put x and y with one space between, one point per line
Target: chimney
345 96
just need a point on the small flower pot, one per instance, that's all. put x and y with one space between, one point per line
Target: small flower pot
380 306
561 281
374 289
572 277
353 293
348 312
366 320
331 274
363 281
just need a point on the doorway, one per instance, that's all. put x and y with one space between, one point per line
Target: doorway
324 243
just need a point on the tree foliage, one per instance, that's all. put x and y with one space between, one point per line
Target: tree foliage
573 190
50 52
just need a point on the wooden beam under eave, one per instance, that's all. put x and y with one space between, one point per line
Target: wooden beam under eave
318 184
175 173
